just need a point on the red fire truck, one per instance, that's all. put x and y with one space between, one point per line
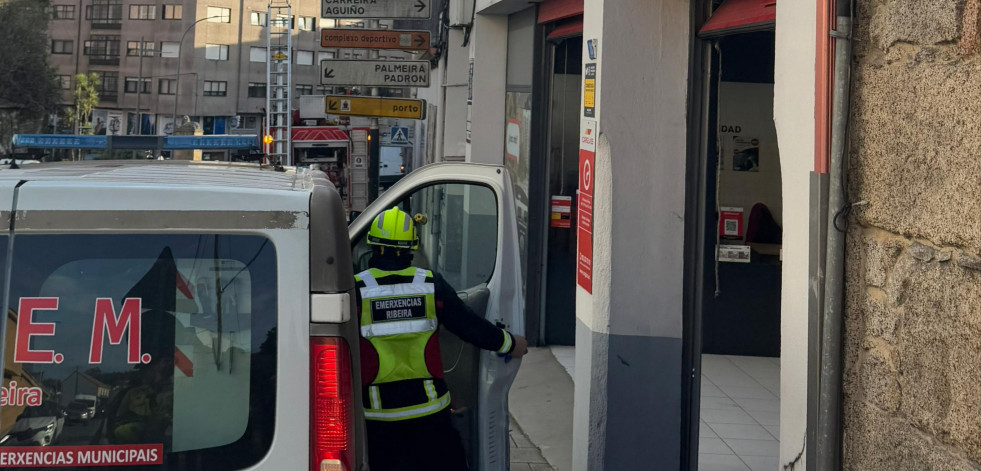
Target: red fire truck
341 153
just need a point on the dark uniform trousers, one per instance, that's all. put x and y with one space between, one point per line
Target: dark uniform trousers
428 443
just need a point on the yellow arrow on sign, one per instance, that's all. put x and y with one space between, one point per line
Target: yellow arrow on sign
375 107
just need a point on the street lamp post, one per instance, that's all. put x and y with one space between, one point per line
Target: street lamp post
177 89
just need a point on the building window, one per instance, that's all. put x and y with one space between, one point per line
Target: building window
250 122
169 49
257 90
323 56
65 81
221 15
108 84
259 18
167 87
142 12
257 54
133 48
304 90
132 82
214 88
307 23
102 49
328 23
63 12
173 12
304 57
62 46
105 13
216 52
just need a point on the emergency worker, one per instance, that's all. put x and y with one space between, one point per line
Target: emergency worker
401 308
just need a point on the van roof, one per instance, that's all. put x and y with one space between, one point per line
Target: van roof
166 173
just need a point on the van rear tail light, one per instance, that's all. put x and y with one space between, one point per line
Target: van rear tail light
331 404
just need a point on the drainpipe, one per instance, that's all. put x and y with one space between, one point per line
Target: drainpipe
829 414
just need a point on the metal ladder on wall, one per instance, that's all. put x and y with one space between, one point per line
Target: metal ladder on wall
279 81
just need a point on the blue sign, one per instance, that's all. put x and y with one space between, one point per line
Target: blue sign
59 141
211 142
400 136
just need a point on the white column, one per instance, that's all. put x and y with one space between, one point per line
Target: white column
628 341
793 113
488 51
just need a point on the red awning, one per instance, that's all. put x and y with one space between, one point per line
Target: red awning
554 10
322 134
740 16
570 27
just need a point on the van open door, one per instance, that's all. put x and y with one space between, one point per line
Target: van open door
469 235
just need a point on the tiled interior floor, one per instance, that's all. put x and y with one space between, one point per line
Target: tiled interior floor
740 426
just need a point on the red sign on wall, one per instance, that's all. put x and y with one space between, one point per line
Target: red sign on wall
587 164
731 223
561 212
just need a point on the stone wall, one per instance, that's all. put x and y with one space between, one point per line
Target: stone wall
912 380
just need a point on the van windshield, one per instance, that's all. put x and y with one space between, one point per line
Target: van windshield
166 343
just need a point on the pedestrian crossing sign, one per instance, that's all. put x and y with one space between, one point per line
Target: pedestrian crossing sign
400 136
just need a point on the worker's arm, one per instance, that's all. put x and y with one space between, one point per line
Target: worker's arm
466 324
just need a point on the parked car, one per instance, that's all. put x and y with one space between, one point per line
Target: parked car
215 301
80 411
36 426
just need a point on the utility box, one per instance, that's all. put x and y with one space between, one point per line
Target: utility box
461 12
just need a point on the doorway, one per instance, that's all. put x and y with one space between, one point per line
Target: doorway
563 184
741 269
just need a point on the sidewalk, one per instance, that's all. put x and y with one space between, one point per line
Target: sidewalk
541 410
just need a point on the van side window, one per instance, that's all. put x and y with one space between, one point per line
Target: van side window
458 234
149 341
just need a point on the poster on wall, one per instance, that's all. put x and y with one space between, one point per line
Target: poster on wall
745 154
734 253
561 214
584 242
589 91
730 222
99 120
115 124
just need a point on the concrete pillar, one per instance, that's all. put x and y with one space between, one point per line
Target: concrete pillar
628 377
488 53
793 115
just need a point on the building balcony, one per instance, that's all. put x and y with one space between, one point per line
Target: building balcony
107 24
103 60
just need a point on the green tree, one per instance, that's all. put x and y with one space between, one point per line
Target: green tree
29 88
86 96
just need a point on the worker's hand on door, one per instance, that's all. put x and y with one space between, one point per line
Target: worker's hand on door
520 346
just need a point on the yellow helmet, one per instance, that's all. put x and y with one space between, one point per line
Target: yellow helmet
393 228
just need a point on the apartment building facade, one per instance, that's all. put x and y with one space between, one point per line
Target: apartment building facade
222 83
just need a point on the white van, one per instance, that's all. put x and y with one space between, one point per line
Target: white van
214 301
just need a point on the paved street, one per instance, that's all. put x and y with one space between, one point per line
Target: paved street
525 456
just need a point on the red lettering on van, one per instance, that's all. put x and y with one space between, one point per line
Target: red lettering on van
106 322
27 328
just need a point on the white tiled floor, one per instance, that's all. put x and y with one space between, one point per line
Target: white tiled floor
740 426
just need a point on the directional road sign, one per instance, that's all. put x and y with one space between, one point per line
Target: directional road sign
376 107
377 8
374 73
375 39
